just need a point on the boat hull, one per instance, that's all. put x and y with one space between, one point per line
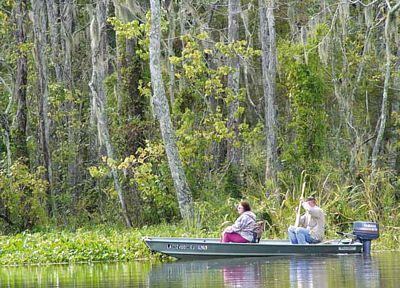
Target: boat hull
196 248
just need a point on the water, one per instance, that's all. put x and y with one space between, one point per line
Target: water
378 270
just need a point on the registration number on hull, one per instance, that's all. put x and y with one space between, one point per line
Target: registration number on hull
347 248
175 246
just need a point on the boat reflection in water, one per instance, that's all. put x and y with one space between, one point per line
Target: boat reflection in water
305 273
341 271
238 272
293 271
242 275
367 272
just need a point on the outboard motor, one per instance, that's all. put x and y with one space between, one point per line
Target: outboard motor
365 232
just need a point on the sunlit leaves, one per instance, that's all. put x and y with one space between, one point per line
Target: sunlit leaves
23 194
5 16
130 30
144 89
146 177
194 67
239 47
127 30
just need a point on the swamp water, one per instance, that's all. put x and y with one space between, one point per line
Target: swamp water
378 270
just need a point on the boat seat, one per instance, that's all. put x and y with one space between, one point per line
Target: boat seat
350 237
258 230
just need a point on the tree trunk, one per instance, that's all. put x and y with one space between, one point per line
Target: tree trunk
171 37
39 30
136 103
353 165
98 37
233 152
53 16
268 55
161 109
293 20
393 153
119 60
247 71
384 105
21 151
4 124
66 31
183 32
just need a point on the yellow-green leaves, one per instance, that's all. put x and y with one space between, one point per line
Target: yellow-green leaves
128 30
144 88
237 48
133 29
202 36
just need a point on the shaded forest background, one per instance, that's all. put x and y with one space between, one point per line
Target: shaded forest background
261 95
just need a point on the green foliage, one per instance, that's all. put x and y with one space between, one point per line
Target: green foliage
211 215
200 135
231 185
128 88
396 128
155 184
128 30
23 197
140 31
131 30
101 244
98 243
306 90
150 176
202 79
6 7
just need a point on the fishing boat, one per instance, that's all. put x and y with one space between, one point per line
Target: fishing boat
359 241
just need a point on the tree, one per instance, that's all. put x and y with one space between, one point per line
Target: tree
53 17
233 151
394 148
98 46
39 30
21 82
161 109
66 30
384 105
268 47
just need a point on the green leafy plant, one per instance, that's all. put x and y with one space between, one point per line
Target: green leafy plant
306 94
23 197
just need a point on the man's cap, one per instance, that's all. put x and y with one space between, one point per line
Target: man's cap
310 198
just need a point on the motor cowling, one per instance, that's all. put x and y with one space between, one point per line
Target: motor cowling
365 232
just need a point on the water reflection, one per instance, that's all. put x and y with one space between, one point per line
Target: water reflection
337 271
241 276
367 272
299 271
341 271
304 274
76 275
380 270
237 272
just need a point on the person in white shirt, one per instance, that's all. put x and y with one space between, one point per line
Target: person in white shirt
311 228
